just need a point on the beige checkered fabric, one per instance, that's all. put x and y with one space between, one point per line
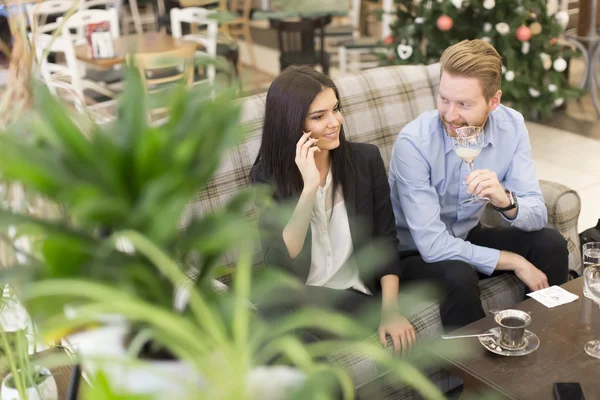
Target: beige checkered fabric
376 105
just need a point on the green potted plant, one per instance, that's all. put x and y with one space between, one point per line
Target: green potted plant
129 176
117 248
26 380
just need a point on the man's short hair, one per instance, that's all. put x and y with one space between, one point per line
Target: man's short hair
474 59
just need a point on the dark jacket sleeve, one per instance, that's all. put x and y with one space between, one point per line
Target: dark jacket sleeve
271 221
384 223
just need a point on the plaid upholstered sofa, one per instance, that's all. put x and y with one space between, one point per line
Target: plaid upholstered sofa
376 104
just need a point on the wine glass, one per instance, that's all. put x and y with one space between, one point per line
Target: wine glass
467 142
591 281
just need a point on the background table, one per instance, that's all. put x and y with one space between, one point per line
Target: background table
152 42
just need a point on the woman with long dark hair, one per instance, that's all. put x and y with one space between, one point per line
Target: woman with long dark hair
341 201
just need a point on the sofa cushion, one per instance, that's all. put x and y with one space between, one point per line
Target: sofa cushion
378 103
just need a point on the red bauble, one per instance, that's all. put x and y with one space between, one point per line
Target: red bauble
553 41
523 33
388 40
444 23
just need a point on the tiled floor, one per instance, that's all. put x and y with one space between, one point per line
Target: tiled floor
254 81
572 160
578 116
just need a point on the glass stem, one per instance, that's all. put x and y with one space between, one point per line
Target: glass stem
470 169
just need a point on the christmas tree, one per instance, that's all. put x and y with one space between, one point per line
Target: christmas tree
525 33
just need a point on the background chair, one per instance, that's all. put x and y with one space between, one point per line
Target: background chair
68 77
39 14
79 21
100 4
74 29
297 42
239 27
161 71
141 14
196 16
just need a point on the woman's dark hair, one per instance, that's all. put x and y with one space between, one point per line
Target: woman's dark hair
288 100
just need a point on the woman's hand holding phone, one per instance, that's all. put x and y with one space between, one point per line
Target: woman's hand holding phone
305 160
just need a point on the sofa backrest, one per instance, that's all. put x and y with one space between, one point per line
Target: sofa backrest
376 105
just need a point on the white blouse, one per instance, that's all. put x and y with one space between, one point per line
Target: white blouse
332 243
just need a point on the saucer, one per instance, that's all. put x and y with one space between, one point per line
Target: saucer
532 342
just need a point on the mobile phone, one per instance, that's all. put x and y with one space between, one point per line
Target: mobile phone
568 391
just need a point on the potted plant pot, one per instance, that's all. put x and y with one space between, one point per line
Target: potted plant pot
127 374
45 390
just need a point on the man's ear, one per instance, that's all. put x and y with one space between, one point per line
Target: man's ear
495 101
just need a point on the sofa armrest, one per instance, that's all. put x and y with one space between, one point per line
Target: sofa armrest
564 206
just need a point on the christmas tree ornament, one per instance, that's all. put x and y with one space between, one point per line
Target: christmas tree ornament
457 3
534 93
525 48
502 28
560 64
489 4
503 69
419 20
552 88
546 61
388 40
404 51
486 39
444 23
536 28
558 102
553 41
562 17
523 33
487 27
509 76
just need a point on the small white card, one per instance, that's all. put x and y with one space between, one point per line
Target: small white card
553 296
102 45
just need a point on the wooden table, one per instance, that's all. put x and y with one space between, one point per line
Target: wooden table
562 330
152 42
